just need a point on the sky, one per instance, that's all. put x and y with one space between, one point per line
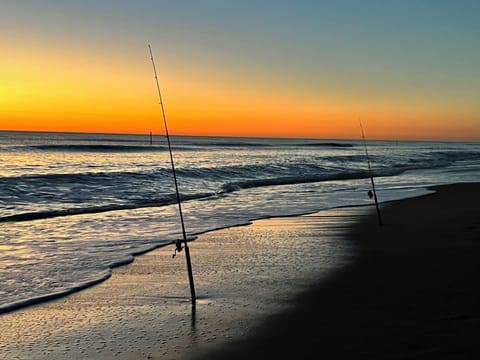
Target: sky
408 69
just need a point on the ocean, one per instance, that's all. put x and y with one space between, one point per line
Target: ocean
73 206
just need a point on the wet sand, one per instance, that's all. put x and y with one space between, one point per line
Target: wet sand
143 310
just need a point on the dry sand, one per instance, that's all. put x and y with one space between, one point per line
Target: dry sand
413 292
318 286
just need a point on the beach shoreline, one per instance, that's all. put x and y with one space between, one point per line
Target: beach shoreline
143 310
261 297
410 294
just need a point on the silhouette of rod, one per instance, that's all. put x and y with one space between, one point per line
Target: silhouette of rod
371 176
185 243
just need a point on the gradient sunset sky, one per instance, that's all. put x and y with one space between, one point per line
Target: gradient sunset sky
409 69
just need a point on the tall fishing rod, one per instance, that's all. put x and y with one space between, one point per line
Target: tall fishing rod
178 244
371 176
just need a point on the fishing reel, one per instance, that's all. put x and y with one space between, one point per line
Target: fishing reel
178 248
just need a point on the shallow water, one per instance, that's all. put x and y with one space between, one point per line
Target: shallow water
72 206
242 274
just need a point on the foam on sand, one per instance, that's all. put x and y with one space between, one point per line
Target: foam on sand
143 310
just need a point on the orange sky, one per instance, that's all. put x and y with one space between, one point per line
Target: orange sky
263 86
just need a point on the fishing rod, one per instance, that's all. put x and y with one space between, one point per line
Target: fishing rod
373 192
178 244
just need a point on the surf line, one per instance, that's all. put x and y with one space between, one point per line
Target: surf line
373 192
178 244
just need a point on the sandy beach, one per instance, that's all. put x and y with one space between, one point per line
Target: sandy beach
404 290
143 311
412 293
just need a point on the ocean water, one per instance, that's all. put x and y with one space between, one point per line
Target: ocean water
73 206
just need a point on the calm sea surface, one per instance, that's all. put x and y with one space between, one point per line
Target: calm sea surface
72 206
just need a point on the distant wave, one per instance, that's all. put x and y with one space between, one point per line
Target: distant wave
131 190
290 180
81 178
232 144
272 143
164 201
452 156
309 173
99 148
325 144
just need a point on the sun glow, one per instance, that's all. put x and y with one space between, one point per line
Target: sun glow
92 93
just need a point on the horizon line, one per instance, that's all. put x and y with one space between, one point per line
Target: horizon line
236 136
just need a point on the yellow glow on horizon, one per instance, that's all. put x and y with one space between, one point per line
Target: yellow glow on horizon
56 92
